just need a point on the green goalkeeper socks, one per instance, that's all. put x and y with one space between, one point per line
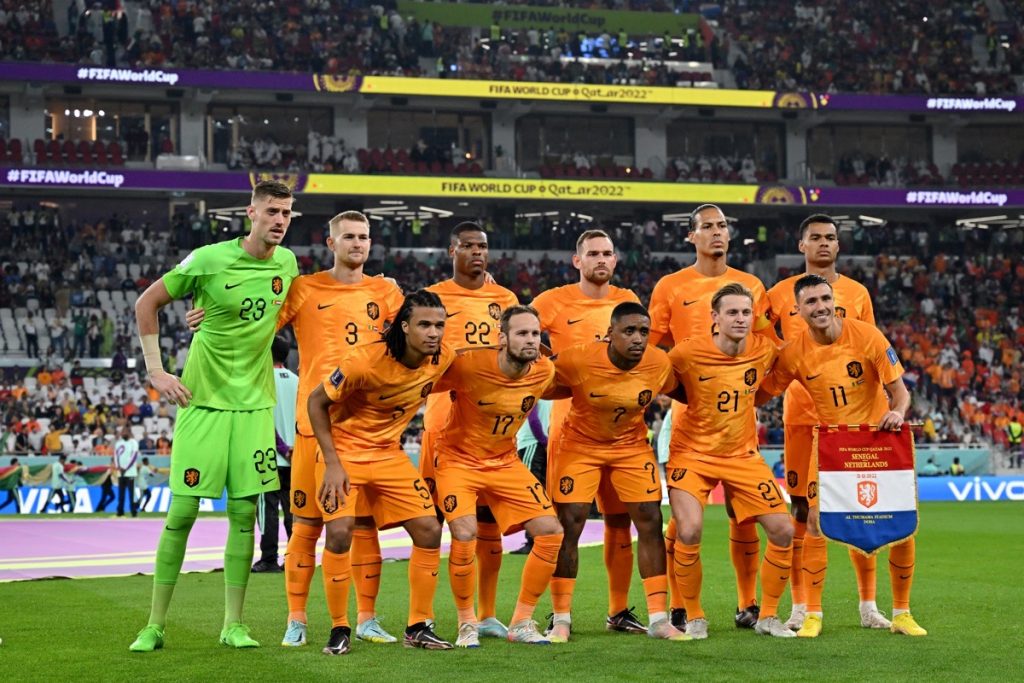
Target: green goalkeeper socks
170 553
238 554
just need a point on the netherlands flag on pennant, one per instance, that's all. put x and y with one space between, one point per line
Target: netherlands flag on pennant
867 485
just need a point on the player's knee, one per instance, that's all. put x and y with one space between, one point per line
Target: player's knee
572 517
425 532
544 526
647 519
463 529
688 534
338 538
780 530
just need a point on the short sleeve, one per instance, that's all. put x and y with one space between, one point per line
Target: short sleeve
661 312
393 301
886 360
452 376
543 305
340 386
566 371
182 279
297 294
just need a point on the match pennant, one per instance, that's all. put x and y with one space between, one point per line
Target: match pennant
867 485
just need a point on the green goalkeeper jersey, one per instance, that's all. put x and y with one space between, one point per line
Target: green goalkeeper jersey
229 366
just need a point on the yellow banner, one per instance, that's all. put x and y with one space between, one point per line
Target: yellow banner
571 92
515 188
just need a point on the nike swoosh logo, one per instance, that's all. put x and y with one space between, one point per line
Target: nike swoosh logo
496 552
247 531
484 403
321 307
652 490
593 395
573 322
267 481
335 579
687 303
452 315
433 573
167 528
749 552
705 379
623 546
305 566
382 397
815 583
810 377
232 286
372 576
428 506
775 505
905 577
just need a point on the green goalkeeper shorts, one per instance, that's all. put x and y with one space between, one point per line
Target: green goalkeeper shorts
214 449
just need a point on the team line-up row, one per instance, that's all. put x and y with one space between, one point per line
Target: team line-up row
369 358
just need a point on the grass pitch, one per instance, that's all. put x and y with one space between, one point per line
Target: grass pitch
967 592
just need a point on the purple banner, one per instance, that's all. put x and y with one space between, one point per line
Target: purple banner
211 181
132 179
307 82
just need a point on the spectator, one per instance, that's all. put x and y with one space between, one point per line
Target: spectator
31 331
956 469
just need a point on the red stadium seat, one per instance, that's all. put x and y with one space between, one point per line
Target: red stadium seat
84 152
67 152
39 149
14 150
436 168
116 156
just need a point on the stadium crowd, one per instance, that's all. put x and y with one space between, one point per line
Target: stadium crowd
947 298
907 46
900 47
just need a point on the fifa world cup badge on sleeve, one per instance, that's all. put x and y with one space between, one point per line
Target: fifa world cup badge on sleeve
867 485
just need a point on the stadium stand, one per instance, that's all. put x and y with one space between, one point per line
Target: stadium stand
864 46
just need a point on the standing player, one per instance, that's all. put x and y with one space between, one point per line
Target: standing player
720 375
332 313
474 308
848 367
574 314
358 416
495 389
604 439
819 243
680 309
224 433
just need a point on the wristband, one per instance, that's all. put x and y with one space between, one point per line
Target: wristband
151 352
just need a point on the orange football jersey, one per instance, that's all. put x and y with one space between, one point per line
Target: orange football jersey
570 317
845 379
852 301
473 316
378 397
608 404
330 319
489 408
720 390
681 303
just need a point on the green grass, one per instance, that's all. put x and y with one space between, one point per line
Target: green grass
967 591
